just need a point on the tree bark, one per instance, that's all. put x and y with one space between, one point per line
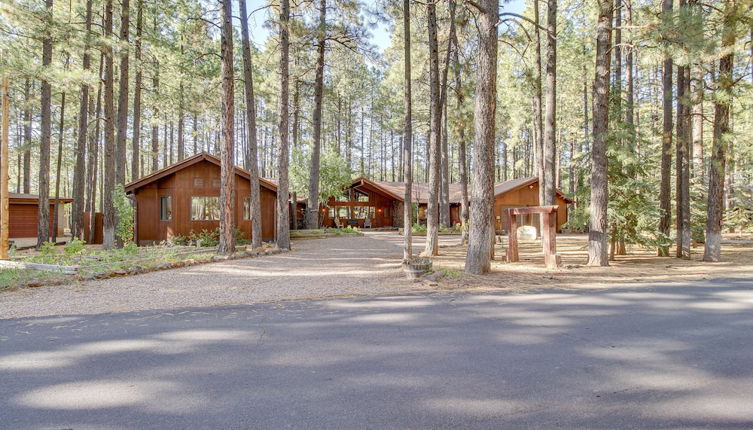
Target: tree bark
444 195
155 115
283 207
682 163
123 93
61 135
79 173
252 163
481 231
462 145
432 212
43 213
725 82
549 145
598 234
665 198
108 219
538 122
407 155
227 150
93 152
136 151
312 209
27 136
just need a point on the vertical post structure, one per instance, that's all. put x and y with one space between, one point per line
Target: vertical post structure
512 236
548 219
4 175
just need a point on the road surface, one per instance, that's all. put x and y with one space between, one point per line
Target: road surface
670 357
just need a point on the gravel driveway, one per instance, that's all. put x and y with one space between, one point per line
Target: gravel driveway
316 268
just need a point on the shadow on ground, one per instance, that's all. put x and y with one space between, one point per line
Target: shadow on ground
663 357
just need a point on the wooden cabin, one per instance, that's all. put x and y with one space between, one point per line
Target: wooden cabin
23 215
380 203
185 197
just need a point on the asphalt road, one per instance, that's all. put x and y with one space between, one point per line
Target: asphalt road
670 357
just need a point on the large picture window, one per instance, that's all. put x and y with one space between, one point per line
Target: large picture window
205 208
165 208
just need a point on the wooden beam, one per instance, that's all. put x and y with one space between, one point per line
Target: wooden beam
4 207
512 236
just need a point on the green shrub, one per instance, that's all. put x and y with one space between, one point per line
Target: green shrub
350 230
418 228
238 234
75 247
179 240
48 249
205 237
130 249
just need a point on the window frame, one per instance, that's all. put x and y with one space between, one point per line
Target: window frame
169 199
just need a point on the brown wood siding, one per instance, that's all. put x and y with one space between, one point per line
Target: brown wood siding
197 180
524 197
23 220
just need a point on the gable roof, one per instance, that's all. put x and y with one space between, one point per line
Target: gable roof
420 191
190 161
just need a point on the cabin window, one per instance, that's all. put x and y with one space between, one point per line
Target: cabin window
216 183
362 197
343 212
331 212
165 208
198 182
205 208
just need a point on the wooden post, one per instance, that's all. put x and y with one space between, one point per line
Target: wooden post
4 209
549 240
512 236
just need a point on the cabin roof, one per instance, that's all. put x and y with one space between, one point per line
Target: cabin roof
187 162
420 191
33 198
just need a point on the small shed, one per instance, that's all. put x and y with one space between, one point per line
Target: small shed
23 216
184 198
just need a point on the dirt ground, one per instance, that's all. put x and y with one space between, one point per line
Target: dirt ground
640 266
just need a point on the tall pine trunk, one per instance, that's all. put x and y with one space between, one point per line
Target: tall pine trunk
61 135
108 219
227 150
481 232
43 212
444 189
123 94
27 136
136 146
538 122
549 145
283 153
312 209
432 212
462 145
407 155
79 173
252 163
665 198
717 165
598 234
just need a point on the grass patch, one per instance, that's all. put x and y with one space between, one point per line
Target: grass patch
97 261
449 273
